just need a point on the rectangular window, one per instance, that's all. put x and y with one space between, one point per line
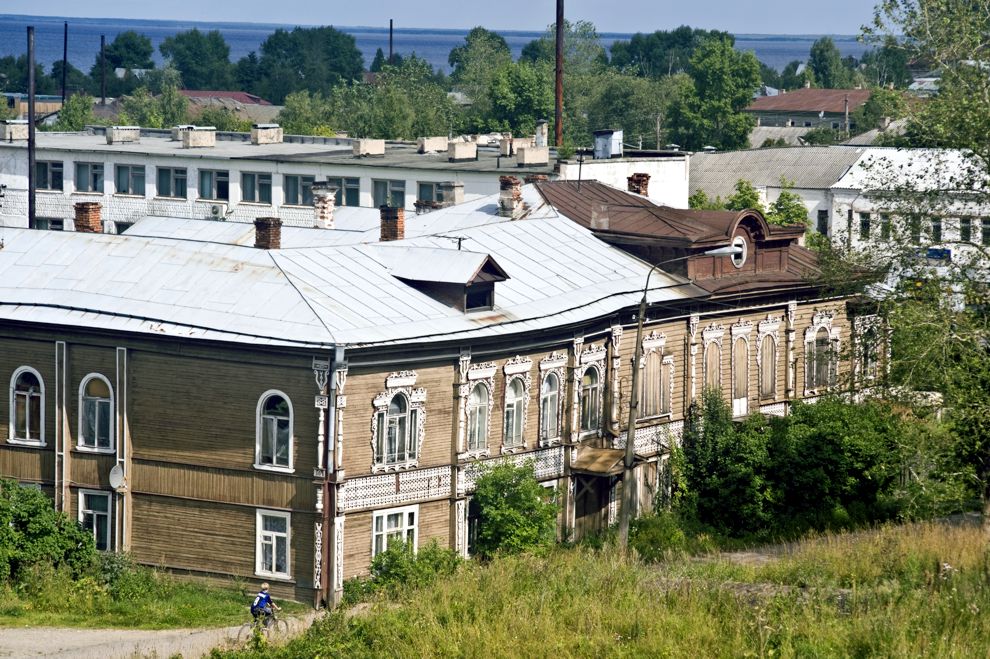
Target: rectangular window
94 515
130 179
884 226
429 192
348 190
823 222
915 228
48 224
273 536
89 177
965 229
214 184
389 193
256 188
298 190
985 233
48 175
936 229
172 182
394 525
864 226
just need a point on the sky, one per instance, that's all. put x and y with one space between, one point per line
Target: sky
737 16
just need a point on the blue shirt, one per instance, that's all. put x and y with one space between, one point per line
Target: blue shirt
262 601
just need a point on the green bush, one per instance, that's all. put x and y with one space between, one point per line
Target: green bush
515 512
657 536
398 566
126 581
32 531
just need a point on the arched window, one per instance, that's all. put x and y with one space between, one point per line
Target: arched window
768 367
713 362
652 385
274 448
478 418
590 397
515 396
398 432
821 372
550 407
740 376
27 407
96 413
871 354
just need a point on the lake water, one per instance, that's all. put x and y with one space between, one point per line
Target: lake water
432 45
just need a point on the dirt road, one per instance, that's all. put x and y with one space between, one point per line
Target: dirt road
122 643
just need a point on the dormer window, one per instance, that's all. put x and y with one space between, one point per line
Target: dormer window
479 297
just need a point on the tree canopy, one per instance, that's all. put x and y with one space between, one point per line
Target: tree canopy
202 58
663 52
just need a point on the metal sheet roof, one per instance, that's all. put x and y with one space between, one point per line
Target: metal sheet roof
316 295
810 167
915 170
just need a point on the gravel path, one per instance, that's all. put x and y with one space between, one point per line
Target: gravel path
123 643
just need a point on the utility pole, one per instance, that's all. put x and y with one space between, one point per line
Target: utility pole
847 116
558 115
103 69
32 183
390 50
65 56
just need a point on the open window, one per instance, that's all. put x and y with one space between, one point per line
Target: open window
274 432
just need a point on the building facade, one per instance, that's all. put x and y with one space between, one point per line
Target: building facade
283 413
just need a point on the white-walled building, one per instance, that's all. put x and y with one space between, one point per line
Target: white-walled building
201 174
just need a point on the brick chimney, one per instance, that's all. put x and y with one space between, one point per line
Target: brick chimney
268 233
393 223
536 178
451 193
324 200
88 217
510 202
639 184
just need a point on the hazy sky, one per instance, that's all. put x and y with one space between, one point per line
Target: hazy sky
740 16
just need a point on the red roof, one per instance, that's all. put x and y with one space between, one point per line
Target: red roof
832 101
240 97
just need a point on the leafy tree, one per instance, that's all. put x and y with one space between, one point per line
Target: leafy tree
203 59
888 65
711 114
787 208
639 106
661 53
129 50
882 103
583 51
75 80
306 114
796 75
823 136
519 95
699 200
313 59
378 62
515 512
400 567
825 62
247 71
32 532
746 197
14 76
76 114
222 119
479 45
174 107
141 109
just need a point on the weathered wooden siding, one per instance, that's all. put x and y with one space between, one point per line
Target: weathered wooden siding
433 524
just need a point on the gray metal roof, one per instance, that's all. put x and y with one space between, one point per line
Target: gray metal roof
559 273
810 167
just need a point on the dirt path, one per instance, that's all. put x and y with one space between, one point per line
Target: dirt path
123 643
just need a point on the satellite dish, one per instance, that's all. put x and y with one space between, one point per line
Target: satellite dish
117 477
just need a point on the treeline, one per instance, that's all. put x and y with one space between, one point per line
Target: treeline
685 86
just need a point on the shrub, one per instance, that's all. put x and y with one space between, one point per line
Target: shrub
32 531
398 566
656 536
126 581
515 512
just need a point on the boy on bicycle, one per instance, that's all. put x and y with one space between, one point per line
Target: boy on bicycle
263 605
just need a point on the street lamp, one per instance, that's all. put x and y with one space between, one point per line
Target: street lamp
628 478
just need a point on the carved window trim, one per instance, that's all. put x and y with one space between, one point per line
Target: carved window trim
711 339
31 399
655 344
478 374
769 327
740 332
553 364
599 368
402 383
821 320
516 369
861 326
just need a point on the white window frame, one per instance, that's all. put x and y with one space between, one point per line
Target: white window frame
83 511
478 425
518 404
814 383
404 383
302 185
593 402
11 435
90 168
546 437
392 188
80 412
174 174
45 182
259 538
259 178
404 530
215 176
259 430
131 171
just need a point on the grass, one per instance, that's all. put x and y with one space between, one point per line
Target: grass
882 593
149 599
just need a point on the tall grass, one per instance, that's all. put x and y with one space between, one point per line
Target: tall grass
882 593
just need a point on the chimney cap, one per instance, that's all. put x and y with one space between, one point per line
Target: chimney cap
262 126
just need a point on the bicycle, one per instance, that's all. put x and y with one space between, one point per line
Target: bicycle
271 626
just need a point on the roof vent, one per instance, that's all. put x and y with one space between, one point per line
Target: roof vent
177 131
123 134
199 137
431 144
13 129
364 147
608 144
324 199
462 151
266 134
542 131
